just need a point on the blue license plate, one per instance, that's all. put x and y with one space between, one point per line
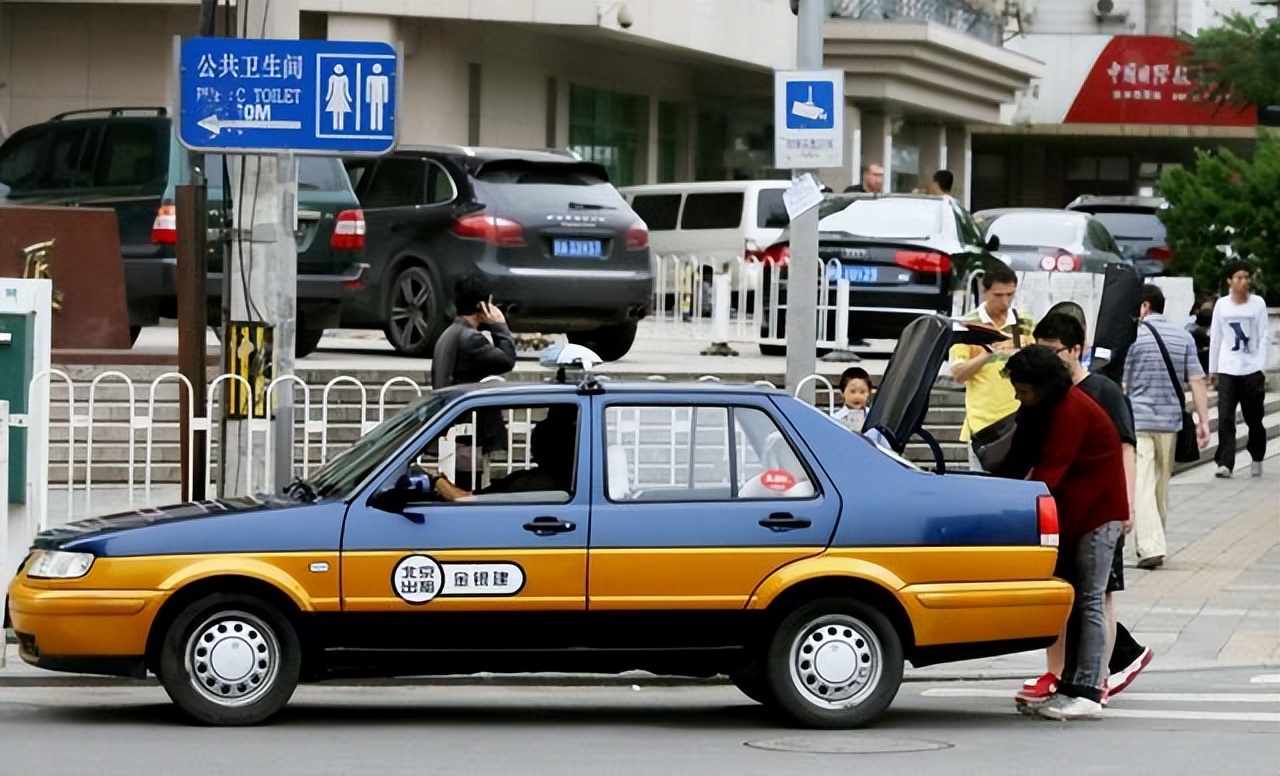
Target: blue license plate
854 274
587 249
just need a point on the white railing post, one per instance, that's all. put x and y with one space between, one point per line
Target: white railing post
841 352
721 302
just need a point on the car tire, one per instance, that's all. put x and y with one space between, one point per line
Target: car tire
414 315
203 664
835 663
609 342
306 342
753 683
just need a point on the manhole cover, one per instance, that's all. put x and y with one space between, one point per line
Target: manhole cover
847 743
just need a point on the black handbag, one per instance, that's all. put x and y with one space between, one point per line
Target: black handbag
1187 449
991 445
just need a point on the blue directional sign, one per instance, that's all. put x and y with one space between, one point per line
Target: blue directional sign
260 96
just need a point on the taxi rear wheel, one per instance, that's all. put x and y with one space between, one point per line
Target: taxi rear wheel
230 660
835 663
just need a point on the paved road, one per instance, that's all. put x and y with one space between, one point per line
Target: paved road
1222 722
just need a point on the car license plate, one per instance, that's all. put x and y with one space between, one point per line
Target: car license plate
855 274
589 249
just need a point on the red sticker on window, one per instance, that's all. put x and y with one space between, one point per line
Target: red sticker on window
778 479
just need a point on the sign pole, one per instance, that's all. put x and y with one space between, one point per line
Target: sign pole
193 325
802 330
262 271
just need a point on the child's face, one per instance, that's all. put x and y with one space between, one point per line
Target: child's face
856 394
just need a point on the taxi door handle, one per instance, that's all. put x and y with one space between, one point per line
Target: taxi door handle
785 521
546 526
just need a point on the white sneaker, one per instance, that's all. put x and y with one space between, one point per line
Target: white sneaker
1070 709
1223 473
1255 469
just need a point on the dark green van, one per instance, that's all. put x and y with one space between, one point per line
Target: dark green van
128 159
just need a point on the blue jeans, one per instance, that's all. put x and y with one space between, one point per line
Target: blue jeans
1087 566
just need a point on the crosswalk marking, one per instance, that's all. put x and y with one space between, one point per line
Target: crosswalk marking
1145 697
1206 716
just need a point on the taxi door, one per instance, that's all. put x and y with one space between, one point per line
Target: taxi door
699 501
468 574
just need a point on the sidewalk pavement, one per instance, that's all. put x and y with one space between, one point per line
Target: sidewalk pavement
1214 604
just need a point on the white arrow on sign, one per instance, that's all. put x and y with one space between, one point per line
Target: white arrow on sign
216 124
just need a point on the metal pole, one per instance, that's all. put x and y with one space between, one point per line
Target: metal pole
263 271
802 274
193 323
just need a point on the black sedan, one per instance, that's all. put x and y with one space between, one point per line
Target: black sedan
900 253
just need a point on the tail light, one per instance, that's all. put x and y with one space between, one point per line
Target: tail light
1047 518
923 261
164 230
1061 262
495 230
637 236
1159 253
348 231
777 255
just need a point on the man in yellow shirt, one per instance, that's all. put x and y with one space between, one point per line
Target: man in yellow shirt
988 394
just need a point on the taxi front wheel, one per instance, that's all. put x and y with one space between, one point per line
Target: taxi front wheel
835 663
230 660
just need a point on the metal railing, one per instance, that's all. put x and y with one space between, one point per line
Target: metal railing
955 14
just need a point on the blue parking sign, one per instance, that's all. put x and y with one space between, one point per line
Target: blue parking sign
305 96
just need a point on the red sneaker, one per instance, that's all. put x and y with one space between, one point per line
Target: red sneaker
1037 691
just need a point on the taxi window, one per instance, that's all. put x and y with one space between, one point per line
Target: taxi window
699 453
502 455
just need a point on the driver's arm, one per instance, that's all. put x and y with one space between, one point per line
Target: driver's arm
447 490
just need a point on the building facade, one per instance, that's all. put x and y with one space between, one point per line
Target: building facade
657 90
1114 108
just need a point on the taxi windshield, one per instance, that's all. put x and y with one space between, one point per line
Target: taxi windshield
341 475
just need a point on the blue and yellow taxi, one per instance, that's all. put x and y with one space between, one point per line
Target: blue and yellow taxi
581 526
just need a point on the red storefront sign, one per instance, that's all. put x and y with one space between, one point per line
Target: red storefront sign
1139 79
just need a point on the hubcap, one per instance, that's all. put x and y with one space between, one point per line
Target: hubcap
411 308
232 658
836 661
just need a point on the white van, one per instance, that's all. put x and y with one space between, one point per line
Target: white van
710 224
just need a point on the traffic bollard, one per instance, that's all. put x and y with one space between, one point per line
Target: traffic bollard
721 301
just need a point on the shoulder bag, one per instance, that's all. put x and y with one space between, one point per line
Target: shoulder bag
1187 448
992 444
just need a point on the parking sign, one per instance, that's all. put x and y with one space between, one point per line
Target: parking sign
808 119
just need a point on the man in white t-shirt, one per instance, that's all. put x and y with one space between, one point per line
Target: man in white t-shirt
1237 356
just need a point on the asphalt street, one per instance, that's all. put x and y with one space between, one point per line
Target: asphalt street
1224 721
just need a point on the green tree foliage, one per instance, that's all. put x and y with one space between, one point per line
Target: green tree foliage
1237 64
1224 199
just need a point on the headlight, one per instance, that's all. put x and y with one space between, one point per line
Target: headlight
54 564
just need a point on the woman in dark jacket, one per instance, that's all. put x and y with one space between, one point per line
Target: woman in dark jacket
1071 445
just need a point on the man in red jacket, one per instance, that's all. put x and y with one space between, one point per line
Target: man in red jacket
1078 455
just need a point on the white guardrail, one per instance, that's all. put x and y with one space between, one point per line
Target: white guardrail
125 429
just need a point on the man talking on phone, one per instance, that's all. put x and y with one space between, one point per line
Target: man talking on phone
463 354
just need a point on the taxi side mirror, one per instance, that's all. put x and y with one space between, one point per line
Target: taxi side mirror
409 488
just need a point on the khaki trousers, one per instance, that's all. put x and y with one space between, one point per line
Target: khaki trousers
1151 491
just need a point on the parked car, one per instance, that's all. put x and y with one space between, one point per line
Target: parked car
563 250
128 159
1136 226
698 229
686 529
901 254
1035 239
